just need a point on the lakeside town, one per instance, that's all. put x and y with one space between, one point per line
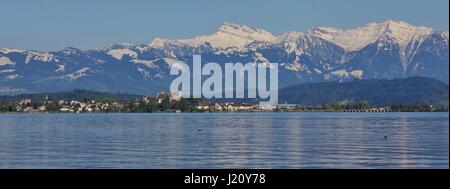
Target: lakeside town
163 102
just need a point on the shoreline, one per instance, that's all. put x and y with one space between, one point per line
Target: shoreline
237 112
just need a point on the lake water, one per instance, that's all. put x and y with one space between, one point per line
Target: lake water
225 140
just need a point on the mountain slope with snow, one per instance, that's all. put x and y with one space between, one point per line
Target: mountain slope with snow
228 35
356 38
385 50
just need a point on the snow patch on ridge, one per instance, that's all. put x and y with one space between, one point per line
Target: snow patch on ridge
173 63
148 63
61 68
357 73
10 50
342 73
6 61
144 73
77 74
43 57
119 53
7 71
11 77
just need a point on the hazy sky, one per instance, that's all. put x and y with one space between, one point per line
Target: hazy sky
85 24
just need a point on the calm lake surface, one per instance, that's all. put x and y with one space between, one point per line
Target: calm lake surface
225 140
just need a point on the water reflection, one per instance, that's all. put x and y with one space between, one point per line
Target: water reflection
226 140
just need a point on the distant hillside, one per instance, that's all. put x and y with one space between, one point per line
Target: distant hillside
376 92
76 94
417 90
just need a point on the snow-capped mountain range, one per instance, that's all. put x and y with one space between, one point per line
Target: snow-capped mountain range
390 49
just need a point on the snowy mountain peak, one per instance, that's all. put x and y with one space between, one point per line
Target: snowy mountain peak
358 37
244 31
228 35
158 43
11 50
228 26
403 31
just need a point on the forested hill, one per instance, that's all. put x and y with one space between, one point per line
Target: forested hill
377 92
77 94
415 90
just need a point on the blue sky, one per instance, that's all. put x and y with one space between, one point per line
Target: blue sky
55 24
